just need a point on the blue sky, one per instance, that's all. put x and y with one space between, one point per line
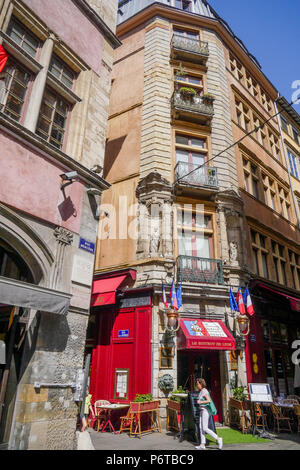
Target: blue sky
270 29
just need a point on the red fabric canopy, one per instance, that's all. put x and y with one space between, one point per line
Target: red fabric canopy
3 58
294 302
204 334
104 290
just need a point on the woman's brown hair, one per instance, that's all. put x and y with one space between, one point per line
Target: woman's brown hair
201 382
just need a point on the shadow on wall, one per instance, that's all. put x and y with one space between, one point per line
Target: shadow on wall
113 148
67 209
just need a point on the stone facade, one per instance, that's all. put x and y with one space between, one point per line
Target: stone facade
46 216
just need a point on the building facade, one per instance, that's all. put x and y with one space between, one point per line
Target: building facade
54 106
187 185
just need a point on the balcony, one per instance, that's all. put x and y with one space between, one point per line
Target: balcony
202 270
193 108
204 179
193 50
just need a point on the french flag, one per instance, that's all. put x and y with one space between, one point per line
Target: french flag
164 296
248 302
240 302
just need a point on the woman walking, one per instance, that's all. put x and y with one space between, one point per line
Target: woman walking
205 403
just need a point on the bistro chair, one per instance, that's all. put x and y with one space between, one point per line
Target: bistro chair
101 414
92 418
279 418
126 421
294 397
297 413
260 417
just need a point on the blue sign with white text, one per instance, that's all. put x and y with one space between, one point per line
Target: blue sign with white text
123 333
87 246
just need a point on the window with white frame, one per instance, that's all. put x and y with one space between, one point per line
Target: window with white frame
294 163
14 89
24 38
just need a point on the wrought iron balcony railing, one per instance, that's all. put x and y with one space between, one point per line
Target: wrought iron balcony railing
193 104
190 45
191 174
202 270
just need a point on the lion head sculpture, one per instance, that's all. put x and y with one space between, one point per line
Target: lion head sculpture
166 383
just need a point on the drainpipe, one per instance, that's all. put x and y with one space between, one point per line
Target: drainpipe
287 164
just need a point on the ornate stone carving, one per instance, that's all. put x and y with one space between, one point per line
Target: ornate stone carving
63 236
166 383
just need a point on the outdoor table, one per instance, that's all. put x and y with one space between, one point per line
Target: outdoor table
183 397
109 408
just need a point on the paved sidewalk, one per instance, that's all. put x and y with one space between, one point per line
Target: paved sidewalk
166 441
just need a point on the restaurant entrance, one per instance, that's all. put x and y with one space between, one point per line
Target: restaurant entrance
205 364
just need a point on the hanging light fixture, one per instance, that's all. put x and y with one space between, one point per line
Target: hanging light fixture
243 324
173 321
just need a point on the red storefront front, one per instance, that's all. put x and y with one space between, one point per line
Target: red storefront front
121 360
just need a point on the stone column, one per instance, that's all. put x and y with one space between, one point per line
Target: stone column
35 101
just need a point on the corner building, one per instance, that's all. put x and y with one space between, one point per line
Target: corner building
54 94
184 89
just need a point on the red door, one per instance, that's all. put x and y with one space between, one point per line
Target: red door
124 348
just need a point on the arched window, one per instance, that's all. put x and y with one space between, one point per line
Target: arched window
12 265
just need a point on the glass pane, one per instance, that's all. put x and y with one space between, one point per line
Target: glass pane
44 125
14 104
185 244
201 143
62 107
47 111
275 332
30 47
15 32
266 330
59 120
182 139
67 79
21 76
202 246
18 89
57 134
182 156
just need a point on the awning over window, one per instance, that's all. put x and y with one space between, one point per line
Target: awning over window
23 294
104 290
204 334
294 302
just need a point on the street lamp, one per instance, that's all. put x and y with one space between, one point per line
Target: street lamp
173 321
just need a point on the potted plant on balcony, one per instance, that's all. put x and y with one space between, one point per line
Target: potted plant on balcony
208 97
187 92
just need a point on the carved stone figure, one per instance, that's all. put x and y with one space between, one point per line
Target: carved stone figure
166 383
233 253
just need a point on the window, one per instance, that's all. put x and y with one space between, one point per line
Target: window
243 116
23 37
279 260
294 162
266 101
194 234
284 124
183 5
236 68
260 132
284 201
274 146
295 135
260 254
195 82
269 191
52 120
191 152
294 260
15 87
252 85
62 72
166 358
251 178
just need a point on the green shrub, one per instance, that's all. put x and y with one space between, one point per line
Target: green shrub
143 398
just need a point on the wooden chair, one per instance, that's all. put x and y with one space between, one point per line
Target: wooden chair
297 413
127 420
279 418
92 418
101 414
294 397
260 417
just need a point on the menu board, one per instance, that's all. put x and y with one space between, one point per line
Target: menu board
121 384
260 393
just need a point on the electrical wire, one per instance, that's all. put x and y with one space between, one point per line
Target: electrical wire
235 143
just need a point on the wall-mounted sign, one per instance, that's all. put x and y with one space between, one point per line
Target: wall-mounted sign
123 333
253 338
140 301
121 384
87 246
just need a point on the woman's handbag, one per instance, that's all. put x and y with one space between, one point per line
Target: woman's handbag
212 410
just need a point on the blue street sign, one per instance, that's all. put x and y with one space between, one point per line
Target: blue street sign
87 246
123 333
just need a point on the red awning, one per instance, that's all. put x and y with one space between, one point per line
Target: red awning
204 334
104 290
294 302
